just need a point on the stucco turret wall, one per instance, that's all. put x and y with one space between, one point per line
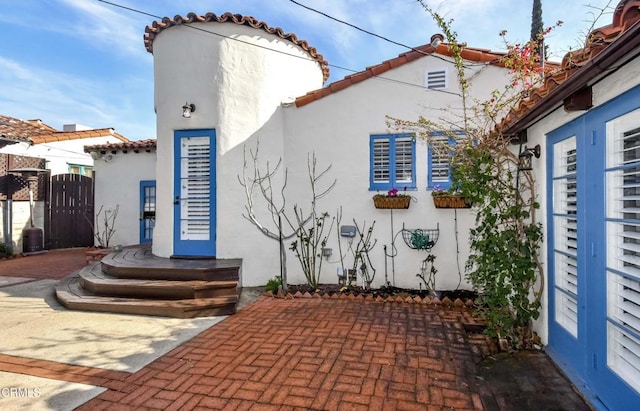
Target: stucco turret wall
237 89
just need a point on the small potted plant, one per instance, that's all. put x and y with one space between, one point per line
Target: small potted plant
451 198
393 199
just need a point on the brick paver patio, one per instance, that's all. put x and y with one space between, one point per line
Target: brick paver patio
314 354
54 264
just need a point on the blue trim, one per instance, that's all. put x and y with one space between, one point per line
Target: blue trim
200 248
392 163
143 185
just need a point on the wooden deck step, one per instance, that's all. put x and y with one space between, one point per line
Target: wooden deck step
140 263
71 294
94 280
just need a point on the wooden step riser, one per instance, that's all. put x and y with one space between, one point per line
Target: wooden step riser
142 273
157 292
134 281
153 311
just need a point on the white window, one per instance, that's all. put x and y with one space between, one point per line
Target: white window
565 234
623 247
392 162
440 153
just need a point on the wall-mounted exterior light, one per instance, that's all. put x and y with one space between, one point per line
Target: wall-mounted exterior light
187 109
524 158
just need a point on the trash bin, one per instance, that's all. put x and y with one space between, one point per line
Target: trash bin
32 239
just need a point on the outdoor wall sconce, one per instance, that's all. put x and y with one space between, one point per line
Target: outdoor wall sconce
524 158
187 109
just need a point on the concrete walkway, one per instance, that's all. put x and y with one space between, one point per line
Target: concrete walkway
320 354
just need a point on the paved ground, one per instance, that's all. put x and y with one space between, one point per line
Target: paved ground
271 355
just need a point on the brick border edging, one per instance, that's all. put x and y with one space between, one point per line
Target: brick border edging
446 301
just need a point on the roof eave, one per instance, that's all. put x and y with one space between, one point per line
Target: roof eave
624 48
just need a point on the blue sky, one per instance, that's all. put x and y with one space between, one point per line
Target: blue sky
84 61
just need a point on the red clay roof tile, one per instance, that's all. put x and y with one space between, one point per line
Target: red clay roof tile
135 146
39 132
152 31
15 128
470 54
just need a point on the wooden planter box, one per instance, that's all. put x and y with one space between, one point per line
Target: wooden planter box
398 202
450 201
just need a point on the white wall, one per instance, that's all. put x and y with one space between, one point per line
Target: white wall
237 89
338 128
620 81
117 183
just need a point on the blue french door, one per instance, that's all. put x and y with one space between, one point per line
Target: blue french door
147 210
593 176
194 231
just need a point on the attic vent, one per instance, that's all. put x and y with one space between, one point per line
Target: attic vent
436 79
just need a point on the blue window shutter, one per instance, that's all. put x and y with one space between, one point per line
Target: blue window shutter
392 161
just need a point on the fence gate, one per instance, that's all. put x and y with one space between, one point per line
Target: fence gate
71 211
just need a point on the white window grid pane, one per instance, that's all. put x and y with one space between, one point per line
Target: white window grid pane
440 159
565 195
567 312
565 157
404 160
623 355
623 247
565 234
149 198
381 160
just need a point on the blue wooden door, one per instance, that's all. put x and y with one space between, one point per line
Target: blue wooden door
594 251
194 193
567 316
147 210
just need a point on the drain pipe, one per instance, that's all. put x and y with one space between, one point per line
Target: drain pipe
8 222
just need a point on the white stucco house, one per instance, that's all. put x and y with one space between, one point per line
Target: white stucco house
586 120
251 82
35 144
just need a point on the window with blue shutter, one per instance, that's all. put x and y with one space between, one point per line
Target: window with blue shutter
439 158
392 161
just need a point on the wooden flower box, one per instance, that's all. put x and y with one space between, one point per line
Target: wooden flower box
397 202
450 201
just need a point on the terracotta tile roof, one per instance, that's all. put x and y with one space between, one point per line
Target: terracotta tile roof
135 146
468 53
38 132
23 129
152 31
77 135
626 15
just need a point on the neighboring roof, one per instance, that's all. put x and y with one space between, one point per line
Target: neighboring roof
608 47
152 31
37 132
468 53
135 146
77 135
23 129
